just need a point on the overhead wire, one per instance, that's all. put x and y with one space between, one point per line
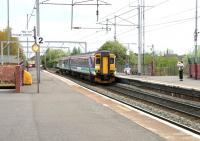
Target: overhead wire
109 21
120 14
173 23
30 15
134 15
113 13
149 8
112 18
126 20
178 13
154 6
169 22
126 12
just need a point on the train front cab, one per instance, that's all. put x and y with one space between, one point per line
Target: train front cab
104 67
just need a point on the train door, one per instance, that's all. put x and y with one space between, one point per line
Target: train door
105 63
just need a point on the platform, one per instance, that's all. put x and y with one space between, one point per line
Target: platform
64 111
187 83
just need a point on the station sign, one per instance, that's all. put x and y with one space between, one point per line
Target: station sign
16 35
26 33
40 40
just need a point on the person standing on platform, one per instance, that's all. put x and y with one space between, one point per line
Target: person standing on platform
180 68
127 69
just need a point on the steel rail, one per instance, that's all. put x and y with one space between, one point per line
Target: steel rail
182 106
164 89
150 113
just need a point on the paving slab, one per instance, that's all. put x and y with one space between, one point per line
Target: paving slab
61 113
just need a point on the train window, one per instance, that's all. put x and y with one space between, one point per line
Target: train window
97 60
111 60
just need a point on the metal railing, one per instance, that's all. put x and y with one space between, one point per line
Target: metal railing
147 69
5 54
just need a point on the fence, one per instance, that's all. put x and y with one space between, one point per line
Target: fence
11 76
151 70
6 49
194 68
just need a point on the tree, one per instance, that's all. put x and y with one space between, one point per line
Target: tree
168 52
116 48
132 58
51 57
148 58
76 51
191 56
13 46
164 61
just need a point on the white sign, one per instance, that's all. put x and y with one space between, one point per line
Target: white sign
26 33
40 40
16 35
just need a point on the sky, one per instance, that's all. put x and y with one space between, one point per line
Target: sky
169 24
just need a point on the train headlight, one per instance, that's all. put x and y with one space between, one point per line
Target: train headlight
97 67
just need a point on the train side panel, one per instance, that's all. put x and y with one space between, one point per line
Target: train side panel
63 65
80 65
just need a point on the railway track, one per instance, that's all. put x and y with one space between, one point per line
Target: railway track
128 94
180 105
171 90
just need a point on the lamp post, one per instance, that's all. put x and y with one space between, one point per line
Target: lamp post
27 24
38 34
27 39
36 49
153 60
195 39
8 14
139 40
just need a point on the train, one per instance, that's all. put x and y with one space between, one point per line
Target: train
96 66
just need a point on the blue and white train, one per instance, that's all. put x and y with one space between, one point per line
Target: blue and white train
97 66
